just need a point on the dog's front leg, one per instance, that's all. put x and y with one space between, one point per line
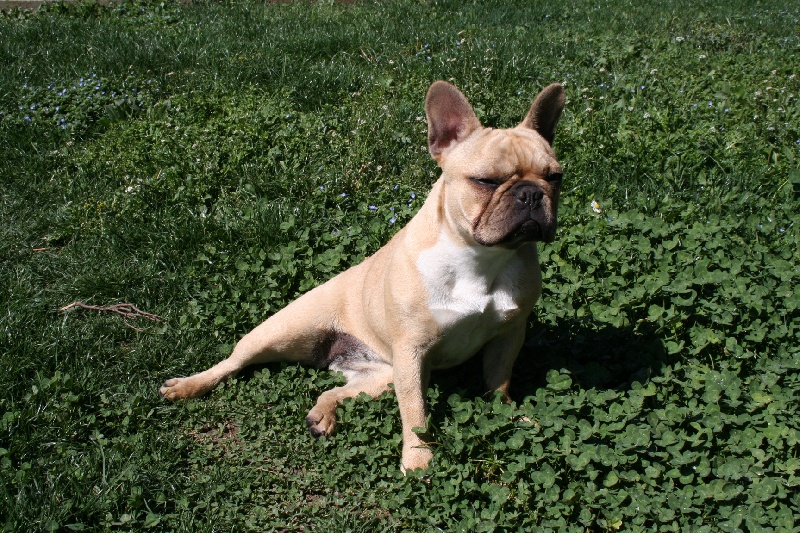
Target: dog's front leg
411 375
499 355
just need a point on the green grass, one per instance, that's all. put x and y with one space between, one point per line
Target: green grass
210 162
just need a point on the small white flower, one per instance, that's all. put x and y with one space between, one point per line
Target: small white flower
595 206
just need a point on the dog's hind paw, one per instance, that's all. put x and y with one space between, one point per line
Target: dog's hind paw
177 388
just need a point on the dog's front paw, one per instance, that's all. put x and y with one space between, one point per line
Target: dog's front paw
415 458
321 424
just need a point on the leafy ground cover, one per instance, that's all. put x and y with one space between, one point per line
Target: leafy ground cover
210 162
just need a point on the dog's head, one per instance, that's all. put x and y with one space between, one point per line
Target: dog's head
501 186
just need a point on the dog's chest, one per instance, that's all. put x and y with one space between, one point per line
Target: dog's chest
472 293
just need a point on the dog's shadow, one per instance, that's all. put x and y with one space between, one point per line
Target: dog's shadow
595 356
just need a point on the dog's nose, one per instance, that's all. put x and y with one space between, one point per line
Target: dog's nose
529 196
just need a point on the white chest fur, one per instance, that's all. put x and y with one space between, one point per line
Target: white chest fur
472 292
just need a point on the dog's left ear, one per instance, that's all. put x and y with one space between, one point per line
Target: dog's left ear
546 111
450 118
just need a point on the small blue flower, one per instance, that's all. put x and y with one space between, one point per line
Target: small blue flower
372 208
343 195
413 195
396 187
27 118
392 220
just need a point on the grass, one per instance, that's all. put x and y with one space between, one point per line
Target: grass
209 162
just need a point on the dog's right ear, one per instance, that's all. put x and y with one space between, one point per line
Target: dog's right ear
450 118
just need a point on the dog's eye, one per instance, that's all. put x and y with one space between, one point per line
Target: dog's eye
488 182
554 178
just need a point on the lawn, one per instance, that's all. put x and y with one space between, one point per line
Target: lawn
208 162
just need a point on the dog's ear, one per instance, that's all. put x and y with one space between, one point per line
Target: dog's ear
450 118
545 111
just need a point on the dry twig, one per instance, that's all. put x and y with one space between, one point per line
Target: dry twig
125 310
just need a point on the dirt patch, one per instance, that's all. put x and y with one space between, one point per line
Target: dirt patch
223 436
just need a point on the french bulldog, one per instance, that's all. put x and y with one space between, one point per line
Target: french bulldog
460 278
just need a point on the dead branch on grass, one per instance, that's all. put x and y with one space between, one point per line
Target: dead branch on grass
126 310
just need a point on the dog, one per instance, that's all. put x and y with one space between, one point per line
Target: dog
460 278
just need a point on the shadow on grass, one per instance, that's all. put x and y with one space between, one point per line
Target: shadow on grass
596 356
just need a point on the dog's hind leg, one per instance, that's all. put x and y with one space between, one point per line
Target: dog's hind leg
364 372
296 333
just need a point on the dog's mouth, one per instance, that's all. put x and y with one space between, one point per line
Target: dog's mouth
531 230
528 231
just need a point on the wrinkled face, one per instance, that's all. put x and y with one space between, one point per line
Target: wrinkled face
508 184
